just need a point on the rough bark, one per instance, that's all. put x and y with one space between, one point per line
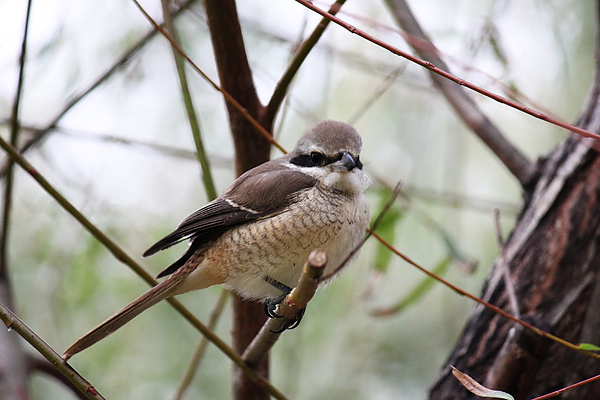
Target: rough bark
553 257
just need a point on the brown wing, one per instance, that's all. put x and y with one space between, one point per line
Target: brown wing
262 192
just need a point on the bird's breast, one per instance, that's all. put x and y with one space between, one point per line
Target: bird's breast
278 246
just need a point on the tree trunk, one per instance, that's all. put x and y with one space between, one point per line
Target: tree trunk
552 254
251 149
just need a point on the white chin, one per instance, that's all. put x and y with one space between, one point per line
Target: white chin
351 182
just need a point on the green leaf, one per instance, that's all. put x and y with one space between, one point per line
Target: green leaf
588 347
418 292
387 230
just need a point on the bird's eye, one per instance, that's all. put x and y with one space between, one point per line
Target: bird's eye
316 157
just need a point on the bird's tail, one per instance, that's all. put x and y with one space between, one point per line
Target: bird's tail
159 292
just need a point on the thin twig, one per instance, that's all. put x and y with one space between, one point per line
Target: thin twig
456 254
13 322
304 50
464 105
127 260
573 386
484 303
121 62
194 121
13 371
14 135
508 283
291 306
211 82
430 66
199 352
379 91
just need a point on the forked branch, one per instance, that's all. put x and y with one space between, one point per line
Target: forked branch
464 105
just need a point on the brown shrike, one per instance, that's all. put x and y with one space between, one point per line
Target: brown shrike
256 236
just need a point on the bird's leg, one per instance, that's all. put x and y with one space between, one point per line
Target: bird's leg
271 305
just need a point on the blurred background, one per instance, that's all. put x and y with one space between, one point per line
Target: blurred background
124 156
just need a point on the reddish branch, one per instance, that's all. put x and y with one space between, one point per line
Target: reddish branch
464 105
430 66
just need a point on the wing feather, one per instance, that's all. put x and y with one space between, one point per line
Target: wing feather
262 192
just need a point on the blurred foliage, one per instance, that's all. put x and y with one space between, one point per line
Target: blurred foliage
66 283
386 229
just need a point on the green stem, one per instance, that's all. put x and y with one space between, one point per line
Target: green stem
122 256
13 322
199 352
282 86
193 119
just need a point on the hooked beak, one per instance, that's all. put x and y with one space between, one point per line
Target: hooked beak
345 163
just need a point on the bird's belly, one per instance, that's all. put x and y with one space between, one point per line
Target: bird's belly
278 247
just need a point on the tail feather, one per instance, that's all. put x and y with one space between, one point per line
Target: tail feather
156 294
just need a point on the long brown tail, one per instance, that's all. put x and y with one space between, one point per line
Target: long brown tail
126 314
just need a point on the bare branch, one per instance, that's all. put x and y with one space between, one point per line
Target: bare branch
13 322
282 86
292 306
430 66
103 77
465 107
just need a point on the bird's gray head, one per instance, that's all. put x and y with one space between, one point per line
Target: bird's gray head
330 152
330 138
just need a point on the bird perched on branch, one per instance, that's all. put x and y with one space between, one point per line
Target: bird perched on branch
256 236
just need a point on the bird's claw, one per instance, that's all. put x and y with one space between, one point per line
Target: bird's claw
271 311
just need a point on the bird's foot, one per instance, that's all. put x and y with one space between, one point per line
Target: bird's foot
272 304
290 323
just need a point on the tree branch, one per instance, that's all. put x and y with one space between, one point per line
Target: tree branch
430 66
464 106
251 149
39 134
13 322
282 86
292 306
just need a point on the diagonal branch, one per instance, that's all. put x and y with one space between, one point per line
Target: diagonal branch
292 306
430 66
130 262
282 86
120 63
13 322
487 305
464 105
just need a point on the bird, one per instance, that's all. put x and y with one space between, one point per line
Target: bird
256 236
